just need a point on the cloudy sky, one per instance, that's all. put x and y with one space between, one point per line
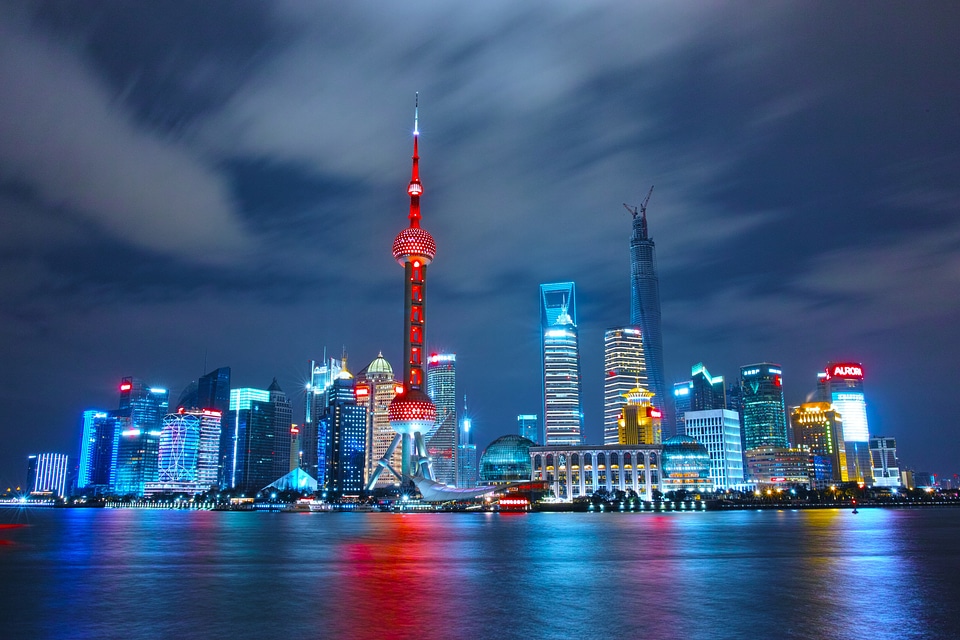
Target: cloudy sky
220 182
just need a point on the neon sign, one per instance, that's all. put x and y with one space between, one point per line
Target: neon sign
126 386
845 370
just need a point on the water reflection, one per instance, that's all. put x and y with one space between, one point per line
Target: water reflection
770 574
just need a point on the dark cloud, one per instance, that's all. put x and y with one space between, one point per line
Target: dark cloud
226 178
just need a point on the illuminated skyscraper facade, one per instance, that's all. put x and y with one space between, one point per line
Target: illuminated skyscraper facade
345 425
47 473
842 386
817 428
282 421
764 413
137 436
378 378
188 461
885 466
96 452
624 369
249 464
645 307
321 376
719 431
442 442
702 392
466 454
528 426
562 409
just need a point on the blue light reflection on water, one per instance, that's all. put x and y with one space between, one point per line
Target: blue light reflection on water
762 574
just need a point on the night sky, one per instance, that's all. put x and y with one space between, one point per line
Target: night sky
219 183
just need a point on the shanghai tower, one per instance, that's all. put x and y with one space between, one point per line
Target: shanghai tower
645 304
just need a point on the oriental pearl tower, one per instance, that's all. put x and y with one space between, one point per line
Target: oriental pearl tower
412 412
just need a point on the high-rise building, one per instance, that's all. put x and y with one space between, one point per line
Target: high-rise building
188 461
639 420
764 413
682 399
249 462
818 429
210 391
624 370
376 383
443 440
885 466
345 426
137 436
282 421
562 409
47 474
321 376
96 452
842 386
466 453
645 306
719 431
702 392
528 426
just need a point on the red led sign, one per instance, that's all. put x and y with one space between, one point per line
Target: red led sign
846 370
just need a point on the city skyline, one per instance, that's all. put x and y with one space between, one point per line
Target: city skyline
205 188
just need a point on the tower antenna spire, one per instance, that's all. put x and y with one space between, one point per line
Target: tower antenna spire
415 188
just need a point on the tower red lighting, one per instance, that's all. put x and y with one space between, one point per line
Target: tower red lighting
414 248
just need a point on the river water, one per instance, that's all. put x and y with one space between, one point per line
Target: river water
105 573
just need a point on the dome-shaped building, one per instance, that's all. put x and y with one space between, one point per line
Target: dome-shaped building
379 368
507 459
685 464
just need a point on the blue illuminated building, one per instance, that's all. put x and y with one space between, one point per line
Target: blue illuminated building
764 413
645 307
562 409
528 426
344 426
137 436
96 452
248 464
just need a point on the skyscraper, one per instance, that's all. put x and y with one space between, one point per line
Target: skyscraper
96 452
624 369
345 426
719 431
818 429
321 376
47 474
528 426
137 436
702 392
378 378
842 386
562 410
282 421
645 305
466 453
764 413
412 412
885 466
249 461
443 440
188 461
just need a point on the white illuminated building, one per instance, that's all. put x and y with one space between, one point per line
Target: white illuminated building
624 369
719 431
842 386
